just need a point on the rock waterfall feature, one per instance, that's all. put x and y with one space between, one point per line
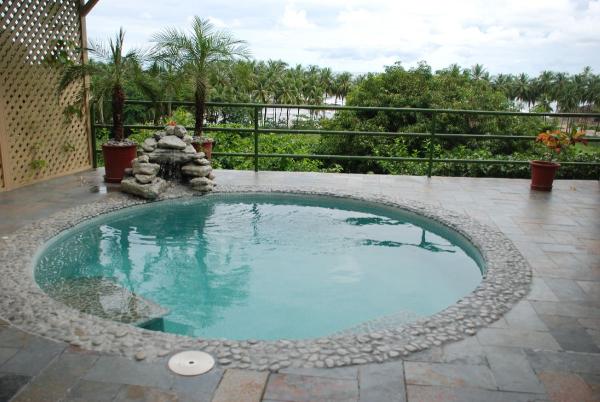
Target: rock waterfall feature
168 156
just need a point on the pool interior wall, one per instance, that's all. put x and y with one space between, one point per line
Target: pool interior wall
358 207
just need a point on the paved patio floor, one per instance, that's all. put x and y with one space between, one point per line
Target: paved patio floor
547 348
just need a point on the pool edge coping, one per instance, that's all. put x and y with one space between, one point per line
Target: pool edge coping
507 279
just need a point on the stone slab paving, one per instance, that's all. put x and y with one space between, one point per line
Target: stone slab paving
242 386
544 349
506 280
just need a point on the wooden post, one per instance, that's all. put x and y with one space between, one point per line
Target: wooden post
4 149
86 7
86 81
256 138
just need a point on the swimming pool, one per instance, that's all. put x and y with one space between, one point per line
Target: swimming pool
264 266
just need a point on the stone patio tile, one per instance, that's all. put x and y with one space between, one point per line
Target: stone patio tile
564 387
590 323
93 391
418 393
197 388
517 338
575 272
512 371
566 289
499 323
523 316
342 373
568 309
591 288
11 337
11 384
382 382
562 236
593 381
590 260
434 354
121 370
242 386
137 393
592 246
467 351
33 357
541 291
6 354
559 248
299 388
542 360
448 375
54 382
570 334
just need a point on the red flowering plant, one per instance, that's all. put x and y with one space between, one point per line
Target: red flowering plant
557 141
172 123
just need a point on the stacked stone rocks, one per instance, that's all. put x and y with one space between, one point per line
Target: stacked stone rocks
169 155
142 179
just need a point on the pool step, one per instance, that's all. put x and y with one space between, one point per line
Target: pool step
105 298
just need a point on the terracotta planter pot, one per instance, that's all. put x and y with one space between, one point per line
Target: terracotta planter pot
116 160
542 175
205 147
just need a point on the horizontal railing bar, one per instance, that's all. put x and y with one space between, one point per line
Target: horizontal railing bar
508 162
335 132
283 131
399 159
244 154
400 134
224 129
191 129
387 158
340 157
504 137
368 108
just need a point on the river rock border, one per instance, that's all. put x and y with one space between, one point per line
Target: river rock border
506 280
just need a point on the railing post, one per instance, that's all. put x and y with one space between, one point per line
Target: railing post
431 139
93 134
256 138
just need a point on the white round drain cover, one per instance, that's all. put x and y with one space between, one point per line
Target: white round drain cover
191 362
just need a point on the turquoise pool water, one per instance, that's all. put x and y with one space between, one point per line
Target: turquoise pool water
268 266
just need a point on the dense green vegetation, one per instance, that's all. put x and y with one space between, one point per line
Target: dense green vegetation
275 82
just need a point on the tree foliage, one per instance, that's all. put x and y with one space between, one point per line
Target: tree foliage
205 64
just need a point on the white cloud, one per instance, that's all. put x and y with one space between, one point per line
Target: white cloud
293 18
217 22
365 35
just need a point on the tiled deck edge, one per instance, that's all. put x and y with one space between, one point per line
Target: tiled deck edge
22 303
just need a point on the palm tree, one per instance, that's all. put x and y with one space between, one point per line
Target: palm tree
559 83
275 70
195 51
504 83
343 85
326 81
111 75
478 72
522 86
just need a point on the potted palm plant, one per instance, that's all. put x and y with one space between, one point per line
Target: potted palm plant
194 52
110 77
544 171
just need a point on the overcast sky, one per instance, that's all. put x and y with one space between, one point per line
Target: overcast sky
508 36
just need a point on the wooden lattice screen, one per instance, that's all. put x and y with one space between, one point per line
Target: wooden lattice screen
37 139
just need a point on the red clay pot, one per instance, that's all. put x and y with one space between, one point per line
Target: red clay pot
206 146
117 158
542 175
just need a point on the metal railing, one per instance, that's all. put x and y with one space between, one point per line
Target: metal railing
256 130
